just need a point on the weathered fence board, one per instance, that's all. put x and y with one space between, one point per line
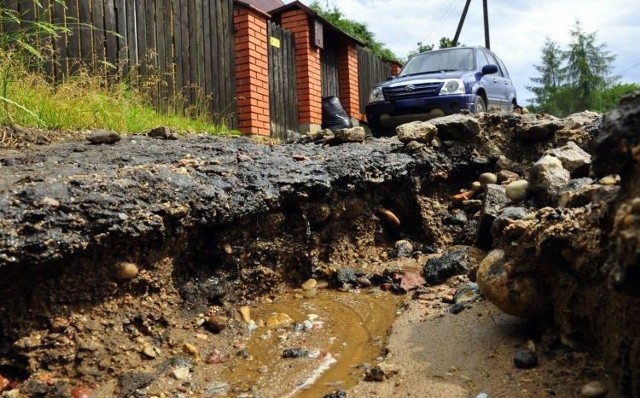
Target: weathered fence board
186 44
371 71
329 69
282 81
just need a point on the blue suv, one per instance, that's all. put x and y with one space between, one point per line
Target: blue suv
438 83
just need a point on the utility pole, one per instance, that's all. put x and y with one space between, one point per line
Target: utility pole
464 15
486 24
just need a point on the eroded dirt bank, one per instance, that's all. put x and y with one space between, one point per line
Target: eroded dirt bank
110 254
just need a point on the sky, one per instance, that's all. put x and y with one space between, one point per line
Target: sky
517 29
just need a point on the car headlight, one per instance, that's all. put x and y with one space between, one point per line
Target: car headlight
452 86
376 95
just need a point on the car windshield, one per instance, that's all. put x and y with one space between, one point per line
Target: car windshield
437 61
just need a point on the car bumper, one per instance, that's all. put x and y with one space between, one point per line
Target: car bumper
388 115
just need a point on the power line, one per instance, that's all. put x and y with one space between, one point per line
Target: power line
629 68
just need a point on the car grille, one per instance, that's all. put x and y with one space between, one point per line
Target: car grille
412 91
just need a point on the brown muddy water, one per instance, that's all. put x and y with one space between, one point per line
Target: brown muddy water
343 333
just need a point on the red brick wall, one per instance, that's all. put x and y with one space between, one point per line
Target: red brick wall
308 74
348 79
252 72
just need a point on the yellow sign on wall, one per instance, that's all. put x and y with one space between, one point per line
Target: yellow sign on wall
274 41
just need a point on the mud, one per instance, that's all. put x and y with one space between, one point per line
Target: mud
206 226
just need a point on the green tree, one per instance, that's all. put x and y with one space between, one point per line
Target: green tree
445 42
547 85
577 79
588 68
353 28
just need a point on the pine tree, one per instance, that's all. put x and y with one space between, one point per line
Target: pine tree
550 80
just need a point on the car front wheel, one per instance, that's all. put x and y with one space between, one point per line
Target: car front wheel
480 105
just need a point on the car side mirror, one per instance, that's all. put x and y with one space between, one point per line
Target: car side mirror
489 69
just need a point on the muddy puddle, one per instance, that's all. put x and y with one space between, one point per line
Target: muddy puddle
308 347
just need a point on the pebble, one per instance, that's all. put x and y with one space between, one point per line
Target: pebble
215 324
190 349
278 319
4 382
310 284
517 191
125 270
228 249
149 351
594 389
216 357
295 353
363 281
488 178
245 312
97 137
336 394
181 373
525 359
81 392
49 202
403 248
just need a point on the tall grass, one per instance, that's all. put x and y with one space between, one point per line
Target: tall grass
84 100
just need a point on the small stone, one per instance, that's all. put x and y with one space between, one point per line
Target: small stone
149 351
447 298
49 202
336 394
507 176
309 284
4 383
403 248
610 180
295 353
594 389
216 357
245 312
517 191
227 248
411 281
488 178
456 308
476 186
525 359
309 293
278 319
125 270
389 217
380 372
363 281
97 137
164 133
466 293
79 392
215 324
181 373
190 349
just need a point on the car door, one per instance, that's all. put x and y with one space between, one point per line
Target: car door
491 84
502 83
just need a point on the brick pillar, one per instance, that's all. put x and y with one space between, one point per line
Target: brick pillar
252 71
308 76
348 79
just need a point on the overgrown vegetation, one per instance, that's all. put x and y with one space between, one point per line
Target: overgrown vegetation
578 78
356 29
84 100
445 42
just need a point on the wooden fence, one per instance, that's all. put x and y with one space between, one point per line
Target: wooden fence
283 102
187 45
371 71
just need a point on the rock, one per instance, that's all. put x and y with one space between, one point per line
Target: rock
573 158
49 202
594 389
456 126
515 293
525 359
309 284
216 357
125 270
4 383
181 373
506 217
457 217
278 319
79 392
295 353
381 372
149 351
456 308
353 134
190 349
534 130
336 394
163 133
216 324
466 293
363 281
517 191
546 177
403 248
423 132
507 176
494 200
488 178
347 276
411 281
437 270
97 137
245 312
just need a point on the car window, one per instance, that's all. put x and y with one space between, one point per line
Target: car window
436 61
482 60
501 66
492 60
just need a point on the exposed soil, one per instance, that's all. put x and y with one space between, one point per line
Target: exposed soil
127 269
